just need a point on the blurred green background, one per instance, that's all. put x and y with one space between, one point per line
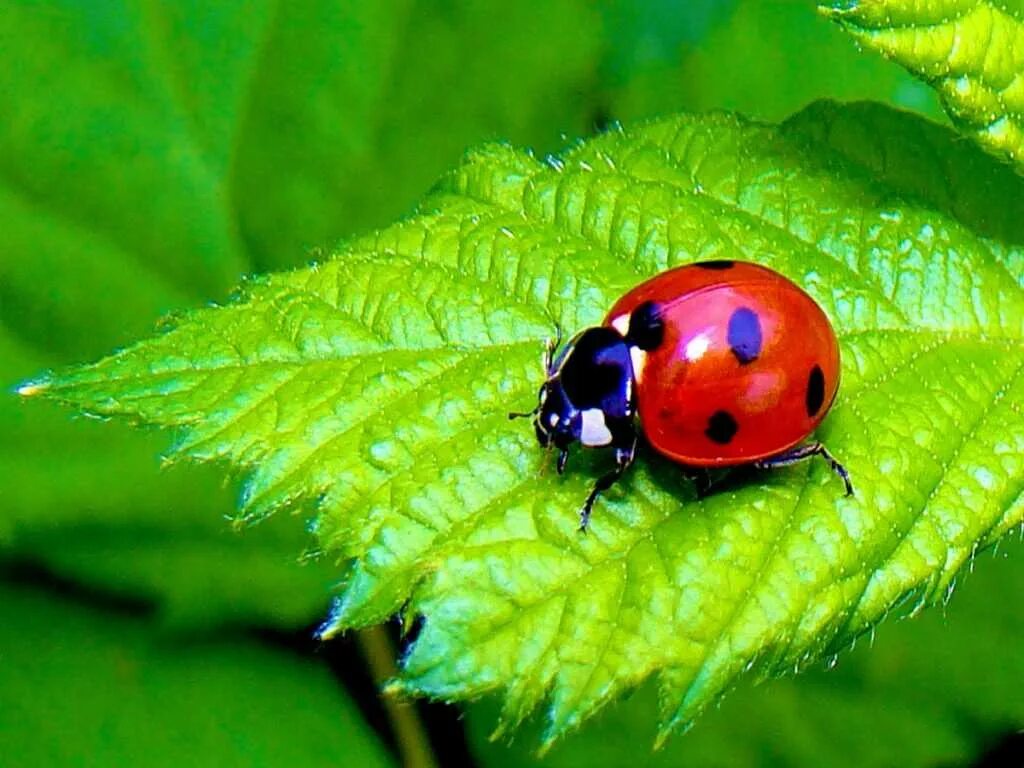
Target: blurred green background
151 155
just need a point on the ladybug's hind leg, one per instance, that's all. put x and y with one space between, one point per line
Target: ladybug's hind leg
701 479
623 458
804 452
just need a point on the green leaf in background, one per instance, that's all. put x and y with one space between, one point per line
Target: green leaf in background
934 691
966 49
150 155
374 386
389 95
89 502
88 688
765 59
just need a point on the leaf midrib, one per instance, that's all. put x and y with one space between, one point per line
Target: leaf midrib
77 381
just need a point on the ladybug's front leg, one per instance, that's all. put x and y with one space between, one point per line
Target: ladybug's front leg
804 452
623 458
563 458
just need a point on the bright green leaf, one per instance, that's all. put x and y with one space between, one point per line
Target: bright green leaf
968 50
373 388
935 691
83 688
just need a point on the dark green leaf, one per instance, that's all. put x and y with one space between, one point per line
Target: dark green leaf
86 688
765 59
965 49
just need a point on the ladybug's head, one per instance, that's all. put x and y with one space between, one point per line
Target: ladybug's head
556 420
587 395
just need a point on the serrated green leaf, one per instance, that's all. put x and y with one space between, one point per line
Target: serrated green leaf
374 387
83 687
935 691
968 50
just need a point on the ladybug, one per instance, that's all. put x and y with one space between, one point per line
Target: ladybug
716 364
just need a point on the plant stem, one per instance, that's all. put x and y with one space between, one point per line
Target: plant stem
413 744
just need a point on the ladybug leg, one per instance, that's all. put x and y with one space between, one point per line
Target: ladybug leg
623 458
701 481
563 457
804 452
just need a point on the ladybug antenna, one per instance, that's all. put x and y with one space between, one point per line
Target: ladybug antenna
551 346
523 415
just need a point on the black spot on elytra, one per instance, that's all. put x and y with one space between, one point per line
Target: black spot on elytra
815 391
716 264
744 335
646 327
722 427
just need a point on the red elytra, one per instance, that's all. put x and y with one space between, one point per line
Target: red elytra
747 368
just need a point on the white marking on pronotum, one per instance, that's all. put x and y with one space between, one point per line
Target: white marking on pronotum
621 324
595 431
553 419
639 358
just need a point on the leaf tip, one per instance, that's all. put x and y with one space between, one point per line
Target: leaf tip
332 625
670 727
32 388
546 743
662 737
